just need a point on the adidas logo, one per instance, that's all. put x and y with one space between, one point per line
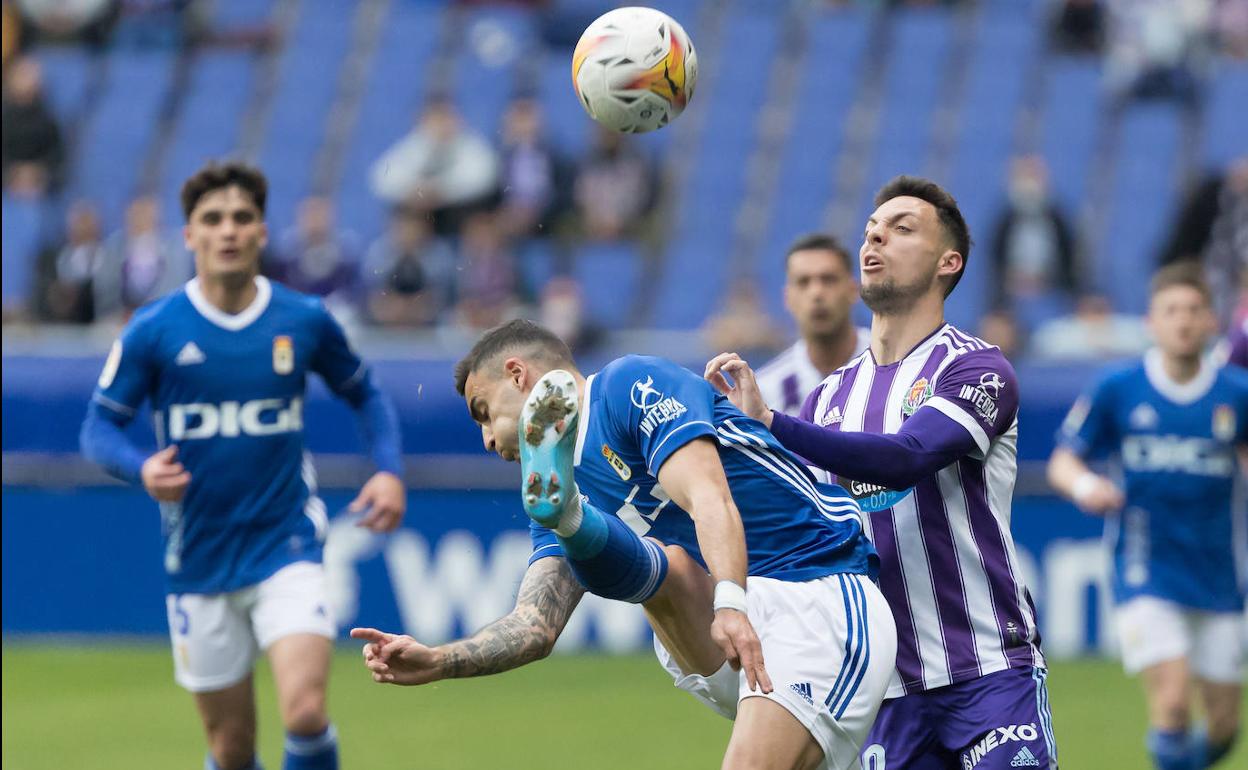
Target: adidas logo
803 689
1024 758
833 417
190 354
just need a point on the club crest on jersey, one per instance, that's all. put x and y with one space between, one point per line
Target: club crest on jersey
619 466
920 391
1223 422
283 354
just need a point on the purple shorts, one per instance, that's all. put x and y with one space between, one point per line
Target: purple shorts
996 722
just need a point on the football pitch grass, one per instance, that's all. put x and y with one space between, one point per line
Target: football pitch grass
89 707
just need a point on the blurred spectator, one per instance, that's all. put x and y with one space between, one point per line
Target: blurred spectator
1157 48
534 184
408 272
440 167
34 153
1230 27
1079 26
1093 332
615 187
1033 248
487 283
1212 226
140 263
64 274
743 326
316 257
562 310
999 328
77 20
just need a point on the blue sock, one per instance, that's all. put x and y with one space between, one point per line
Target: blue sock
312 752
1170 749
1207 754
610 559
211 764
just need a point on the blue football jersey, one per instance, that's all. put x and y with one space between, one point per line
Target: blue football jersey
1181 535
228 391
639 410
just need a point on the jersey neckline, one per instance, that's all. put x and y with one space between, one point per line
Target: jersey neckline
1180 393
231 322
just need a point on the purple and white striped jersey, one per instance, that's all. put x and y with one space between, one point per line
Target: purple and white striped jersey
786 379
948 564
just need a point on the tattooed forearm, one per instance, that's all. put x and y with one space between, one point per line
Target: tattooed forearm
548 594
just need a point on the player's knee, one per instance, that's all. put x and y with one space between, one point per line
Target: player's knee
304 714
1222 724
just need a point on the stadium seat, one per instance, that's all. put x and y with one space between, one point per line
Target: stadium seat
23 220
610 277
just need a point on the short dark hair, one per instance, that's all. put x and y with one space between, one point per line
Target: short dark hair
215 176
1183 273
946 211
513 336
819 242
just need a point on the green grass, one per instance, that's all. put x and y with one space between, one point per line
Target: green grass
113 707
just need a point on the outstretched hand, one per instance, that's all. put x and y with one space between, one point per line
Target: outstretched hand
744 392
397 658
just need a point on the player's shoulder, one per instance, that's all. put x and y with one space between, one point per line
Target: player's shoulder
966 351
634 365
1234 377
287 300
1124 374
148 319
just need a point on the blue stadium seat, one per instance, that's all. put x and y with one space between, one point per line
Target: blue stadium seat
610 276
734 89
119 133
211 117
307 85
1226 137
395 90
66 78
1144 203
23 221
536 259
838 42
496 42
1070 117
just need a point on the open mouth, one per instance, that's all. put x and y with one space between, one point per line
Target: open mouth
871 262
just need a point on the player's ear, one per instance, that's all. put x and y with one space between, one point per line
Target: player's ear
264 234
517 371
950 263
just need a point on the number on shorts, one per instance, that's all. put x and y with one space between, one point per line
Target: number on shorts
184 618
873 757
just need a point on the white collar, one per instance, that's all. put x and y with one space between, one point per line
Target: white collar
238 321
1180 393
583 418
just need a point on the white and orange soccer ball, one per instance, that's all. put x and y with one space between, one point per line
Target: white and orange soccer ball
634 69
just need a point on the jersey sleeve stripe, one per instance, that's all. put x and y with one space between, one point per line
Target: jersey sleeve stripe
353 379
786 468
653 454
950 410
116 406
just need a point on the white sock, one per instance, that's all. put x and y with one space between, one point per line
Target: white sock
570 521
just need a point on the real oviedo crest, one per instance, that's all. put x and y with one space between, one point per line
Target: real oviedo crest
283 355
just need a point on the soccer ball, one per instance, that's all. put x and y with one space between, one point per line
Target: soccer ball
634 69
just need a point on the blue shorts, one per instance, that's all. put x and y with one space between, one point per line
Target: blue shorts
996 722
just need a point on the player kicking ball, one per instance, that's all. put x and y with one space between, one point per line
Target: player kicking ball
640 480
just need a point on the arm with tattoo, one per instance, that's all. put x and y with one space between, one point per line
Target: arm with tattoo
548 594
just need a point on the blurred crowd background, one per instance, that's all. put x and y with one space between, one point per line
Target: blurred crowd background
432 173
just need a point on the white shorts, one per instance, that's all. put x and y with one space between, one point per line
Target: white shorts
216 636
829 646
1153 630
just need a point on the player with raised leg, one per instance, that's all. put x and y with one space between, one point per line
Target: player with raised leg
640 480
819 292
1175 520
922 428
224 362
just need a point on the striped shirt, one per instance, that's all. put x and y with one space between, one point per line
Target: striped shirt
786 379
948 563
